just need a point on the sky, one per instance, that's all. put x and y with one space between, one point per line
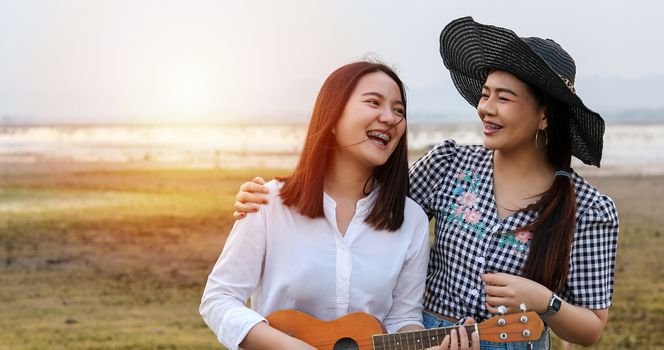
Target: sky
135 61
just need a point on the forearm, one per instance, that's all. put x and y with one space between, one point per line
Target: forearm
577 324
410 327
262 336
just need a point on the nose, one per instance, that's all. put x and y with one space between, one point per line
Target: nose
486 106
389 117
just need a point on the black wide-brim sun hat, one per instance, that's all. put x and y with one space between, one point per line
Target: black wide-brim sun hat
470 50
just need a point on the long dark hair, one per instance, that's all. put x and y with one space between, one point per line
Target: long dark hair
553 230
303 190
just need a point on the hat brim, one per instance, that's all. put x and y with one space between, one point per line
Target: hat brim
470 50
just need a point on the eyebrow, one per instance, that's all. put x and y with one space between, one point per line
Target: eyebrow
501 90
380 96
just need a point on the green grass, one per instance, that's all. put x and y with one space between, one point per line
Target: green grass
119 259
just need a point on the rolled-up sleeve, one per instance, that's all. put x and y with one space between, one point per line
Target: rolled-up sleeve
233 279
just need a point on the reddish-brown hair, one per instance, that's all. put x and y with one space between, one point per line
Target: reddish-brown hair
303 190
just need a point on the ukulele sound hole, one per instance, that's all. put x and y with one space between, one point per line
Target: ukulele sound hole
345 344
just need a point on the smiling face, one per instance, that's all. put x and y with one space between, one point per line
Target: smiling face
372 122
510 113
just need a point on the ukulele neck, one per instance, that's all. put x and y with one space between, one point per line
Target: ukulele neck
419 339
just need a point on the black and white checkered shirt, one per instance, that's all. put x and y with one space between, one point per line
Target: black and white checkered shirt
454 183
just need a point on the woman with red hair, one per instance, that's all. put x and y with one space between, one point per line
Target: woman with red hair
339 235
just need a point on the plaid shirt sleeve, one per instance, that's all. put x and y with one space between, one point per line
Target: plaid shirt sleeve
427 174
593 257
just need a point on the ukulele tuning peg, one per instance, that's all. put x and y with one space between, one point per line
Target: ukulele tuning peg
522 307
502 309
523 319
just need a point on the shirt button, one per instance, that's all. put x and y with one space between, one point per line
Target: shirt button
474 292
480 260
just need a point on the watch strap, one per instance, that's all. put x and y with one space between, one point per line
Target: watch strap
554 307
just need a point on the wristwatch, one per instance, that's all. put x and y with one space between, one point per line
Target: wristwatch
554 307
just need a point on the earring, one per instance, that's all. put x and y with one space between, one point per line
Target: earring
546 140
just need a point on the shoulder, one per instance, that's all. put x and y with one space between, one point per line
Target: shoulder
273 197
414 212
450 149
274 186
448 153
591 203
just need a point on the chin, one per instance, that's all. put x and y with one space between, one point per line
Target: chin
376 161
490 145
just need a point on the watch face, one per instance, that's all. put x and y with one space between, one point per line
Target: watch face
555 303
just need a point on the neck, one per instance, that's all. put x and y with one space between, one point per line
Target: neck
346 179
520 164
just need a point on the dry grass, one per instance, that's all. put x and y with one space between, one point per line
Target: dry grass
118 259
110 260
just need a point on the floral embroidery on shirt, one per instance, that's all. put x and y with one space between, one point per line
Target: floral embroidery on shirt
519 241
463 211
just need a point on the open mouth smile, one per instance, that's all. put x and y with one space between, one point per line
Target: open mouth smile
380 137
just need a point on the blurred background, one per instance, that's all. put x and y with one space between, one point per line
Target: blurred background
127 126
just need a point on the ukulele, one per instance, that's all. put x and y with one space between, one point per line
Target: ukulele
361 331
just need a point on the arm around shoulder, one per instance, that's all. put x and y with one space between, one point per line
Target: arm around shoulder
427 172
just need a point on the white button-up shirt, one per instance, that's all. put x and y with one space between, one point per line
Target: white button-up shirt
285 260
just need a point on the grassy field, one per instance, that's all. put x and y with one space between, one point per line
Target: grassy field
118 259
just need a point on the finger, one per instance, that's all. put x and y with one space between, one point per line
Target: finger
259 180
446 343
497 303
497 291
498 278
253 187
476 340
454 340
492 309
493 279
244 208
463 338
497 300
246 197
238 215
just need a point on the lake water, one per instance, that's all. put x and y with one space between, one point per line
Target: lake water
629 149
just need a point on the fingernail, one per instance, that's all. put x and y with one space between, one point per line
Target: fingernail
264 202
242 214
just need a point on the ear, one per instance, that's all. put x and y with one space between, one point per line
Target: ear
543 120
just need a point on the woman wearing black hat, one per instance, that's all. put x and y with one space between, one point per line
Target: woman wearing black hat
514 223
